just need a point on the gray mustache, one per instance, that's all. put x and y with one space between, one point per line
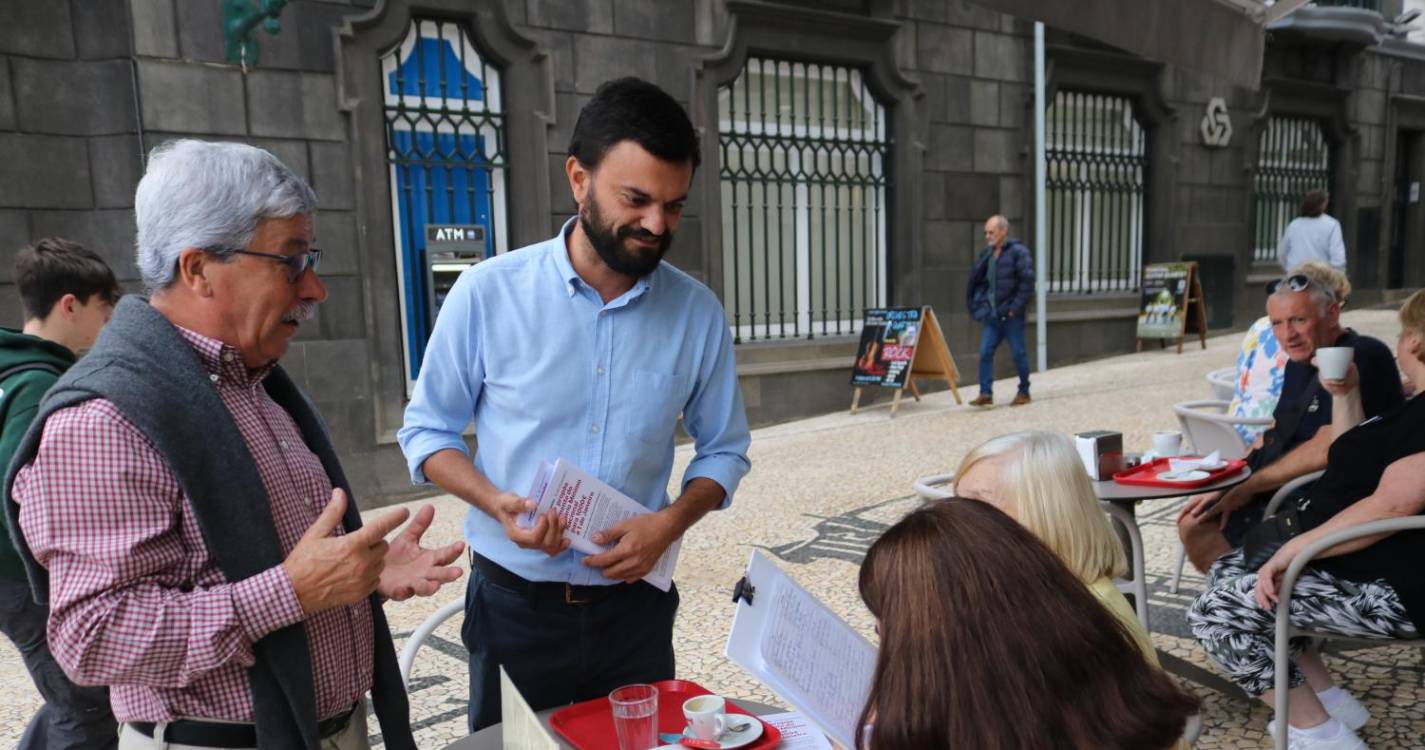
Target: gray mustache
302 313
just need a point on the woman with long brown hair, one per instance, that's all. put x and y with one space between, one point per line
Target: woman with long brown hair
989 642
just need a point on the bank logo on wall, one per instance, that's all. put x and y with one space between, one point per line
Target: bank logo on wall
445 146
1216 124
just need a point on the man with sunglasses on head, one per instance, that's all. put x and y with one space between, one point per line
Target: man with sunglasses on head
1305 316
182 506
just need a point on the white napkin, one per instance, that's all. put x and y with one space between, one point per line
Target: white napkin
1211 462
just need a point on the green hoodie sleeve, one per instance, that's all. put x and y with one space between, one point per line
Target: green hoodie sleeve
21 402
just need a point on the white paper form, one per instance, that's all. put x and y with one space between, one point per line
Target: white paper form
797 732
802 650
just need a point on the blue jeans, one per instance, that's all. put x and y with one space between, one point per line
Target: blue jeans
73 716
995 330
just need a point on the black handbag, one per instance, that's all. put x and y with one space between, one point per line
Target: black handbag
1264 539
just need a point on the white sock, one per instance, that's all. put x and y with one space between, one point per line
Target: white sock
1332 697
1326 730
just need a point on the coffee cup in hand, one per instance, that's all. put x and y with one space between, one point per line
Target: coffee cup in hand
707 716
1332 361
1167 444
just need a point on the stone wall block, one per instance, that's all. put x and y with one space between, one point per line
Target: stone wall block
669 22
997 151
155 26
117 166
74 98
36 28
336 370
1002 57
1370 106
336 236
932 190
598 59
109 232
955 104
984 103
12 312
7 97
971 14
332 176
971 197
14 234
944 49
188 98
101 28
343 314
294 105
1011 199
951 148
200 31
1015 104
44 171
589 16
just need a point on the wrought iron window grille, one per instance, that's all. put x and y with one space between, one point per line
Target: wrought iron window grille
804 187
1293 158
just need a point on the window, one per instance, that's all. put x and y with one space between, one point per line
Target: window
804 197
1293 158
1096 157
445 144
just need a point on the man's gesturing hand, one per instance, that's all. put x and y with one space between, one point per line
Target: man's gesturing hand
412 570
547 533
332 571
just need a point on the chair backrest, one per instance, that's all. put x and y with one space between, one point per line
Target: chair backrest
1208 429
926 487
1223 382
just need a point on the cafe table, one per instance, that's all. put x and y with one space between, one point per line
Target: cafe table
492 737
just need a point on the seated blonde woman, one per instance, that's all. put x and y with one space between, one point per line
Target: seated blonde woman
1037 479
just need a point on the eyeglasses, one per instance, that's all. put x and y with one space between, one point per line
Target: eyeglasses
296 264
1297 282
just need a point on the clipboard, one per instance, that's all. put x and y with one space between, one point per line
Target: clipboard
798 647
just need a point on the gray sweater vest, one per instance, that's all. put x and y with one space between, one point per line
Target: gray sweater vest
152 375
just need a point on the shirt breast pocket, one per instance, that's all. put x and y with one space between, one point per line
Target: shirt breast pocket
654 405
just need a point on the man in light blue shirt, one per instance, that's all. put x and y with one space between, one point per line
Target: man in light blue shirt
584 347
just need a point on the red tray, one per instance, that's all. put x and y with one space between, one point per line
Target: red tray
1147 474
590 725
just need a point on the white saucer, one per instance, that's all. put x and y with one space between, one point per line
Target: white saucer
1193 475
729 740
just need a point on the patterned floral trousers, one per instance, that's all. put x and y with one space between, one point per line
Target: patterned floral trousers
1239 635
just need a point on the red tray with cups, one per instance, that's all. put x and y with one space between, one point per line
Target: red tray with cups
1147 474
590 725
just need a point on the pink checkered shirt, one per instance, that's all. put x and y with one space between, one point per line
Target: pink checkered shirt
136 601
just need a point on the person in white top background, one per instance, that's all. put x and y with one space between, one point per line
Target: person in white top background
1314 235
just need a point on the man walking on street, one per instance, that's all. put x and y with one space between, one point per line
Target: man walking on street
68 293
586 347
998 295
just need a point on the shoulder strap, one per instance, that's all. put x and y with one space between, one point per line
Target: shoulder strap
23 367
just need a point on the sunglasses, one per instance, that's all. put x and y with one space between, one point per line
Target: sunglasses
1297 282
296 264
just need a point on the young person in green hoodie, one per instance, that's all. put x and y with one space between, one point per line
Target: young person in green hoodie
68 294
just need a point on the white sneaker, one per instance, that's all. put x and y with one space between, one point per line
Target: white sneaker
1348 711
1344 740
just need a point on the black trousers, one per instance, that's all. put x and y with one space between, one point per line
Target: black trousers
73 716
559 653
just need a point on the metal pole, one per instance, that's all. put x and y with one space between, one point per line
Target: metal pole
1041 234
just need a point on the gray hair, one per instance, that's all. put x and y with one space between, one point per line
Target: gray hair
209 196
1000 222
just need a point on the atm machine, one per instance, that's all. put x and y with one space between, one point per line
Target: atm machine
450 249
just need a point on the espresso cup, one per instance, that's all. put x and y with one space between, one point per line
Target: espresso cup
1332 361
706 715
1166 444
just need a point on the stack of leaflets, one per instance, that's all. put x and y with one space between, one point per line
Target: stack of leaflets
588 506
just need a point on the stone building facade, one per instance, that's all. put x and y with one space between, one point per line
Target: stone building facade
908 122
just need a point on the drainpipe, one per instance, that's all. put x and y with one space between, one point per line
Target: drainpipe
1041 250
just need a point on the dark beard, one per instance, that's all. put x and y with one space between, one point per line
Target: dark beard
609 242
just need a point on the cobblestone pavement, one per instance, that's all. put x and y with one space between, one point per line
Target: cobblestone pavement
820 491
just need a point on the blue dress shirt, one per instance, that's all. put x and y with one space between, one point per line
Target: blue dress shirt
547 370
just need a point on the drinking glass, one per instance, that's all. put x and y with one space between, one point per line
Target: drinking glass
635 716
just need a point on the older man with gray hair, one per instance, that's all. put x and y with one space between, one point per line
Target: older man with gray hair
180 502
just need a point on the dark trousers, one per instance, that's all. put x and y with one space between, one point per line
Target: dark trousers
72 716
995 330
558 653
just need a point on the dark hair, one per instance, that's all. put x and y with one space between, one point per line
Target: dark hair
988 641
632 109
54 267
1314 203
